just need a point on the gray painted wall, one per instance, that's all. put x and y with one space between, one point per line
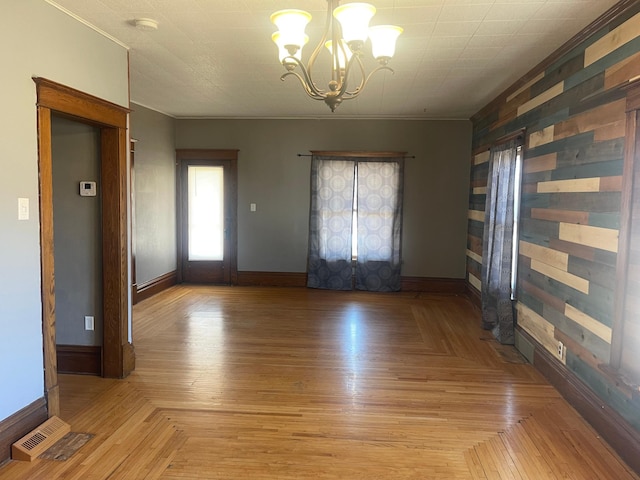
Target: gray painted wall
155 197
270 174
36 39
77 232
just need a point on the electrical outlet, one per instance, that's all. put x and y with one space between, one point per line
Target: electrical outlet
89 322
560 349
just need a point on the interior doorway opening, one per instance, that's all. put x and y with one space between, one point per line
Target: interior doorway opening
118 358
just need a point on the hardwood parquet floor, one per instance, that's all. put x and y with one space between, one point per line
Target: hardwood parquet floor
277 383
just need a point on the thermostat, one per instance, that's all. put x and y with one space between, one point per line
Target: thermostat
87 189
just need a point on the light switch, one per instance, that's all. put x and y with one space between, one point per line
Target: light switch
253 207
23 209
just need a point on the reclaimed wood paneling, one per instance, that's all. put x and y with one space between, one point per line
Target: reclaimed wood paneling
476 215
541 137
526 86
546 255
588 322
574 110
540 164
577 185
592 119
609 132
474 256
481 158
623 71
542 98
536 326
613 40
562 276
604 238
567 216
545 297
475 281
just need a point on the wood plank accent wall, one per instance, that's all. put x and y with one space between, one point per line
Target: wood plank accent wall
573 109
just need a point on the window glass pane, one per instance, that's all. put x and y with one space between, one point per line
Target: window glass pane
377 207
206 212
517 181
354 223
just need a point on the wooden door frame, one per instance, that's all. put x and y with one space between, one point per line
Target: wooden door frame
117 353
132 219
231 157
626 210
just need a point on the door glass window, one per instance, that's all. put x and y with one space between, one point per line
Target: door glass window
206 212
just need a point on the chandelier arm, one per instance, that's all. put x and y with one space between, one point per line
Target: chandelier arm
355 93
313 94
377 69
306 82
336 74
323 39
363 78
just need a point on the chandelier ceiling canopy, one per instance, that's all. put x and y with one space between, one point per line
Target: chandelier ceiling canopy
346 31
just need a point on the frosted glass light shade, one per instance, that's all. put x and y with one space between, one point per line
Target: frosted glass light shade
291 24
344 54
354 19
383 40
282 50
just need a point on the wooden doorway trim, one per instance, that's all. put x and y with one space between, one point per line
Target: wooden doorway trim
117 353
631 153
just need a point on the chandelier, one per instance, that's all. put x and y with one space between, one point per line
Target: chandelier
344 39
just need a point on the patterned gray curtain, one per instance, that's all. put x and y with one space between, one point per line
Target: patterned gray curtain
497 250
379 218
379 214
330 219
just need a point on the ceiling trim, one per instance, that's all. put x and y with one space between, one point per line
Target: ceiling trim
319 117
133 102
299 117
84 22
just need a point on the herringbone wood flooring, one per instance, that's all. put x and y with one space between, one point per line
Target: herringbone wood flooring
274 383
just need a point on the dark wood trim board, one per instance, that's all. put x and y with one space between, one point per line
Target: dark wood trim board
433 285
79 359
272 279
299 279
154 286
607 422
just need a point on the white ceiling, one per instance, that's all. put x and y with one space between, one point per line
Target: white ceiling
215 58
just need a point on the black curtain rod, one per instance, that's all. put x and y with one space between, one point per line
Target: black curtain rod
311 155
